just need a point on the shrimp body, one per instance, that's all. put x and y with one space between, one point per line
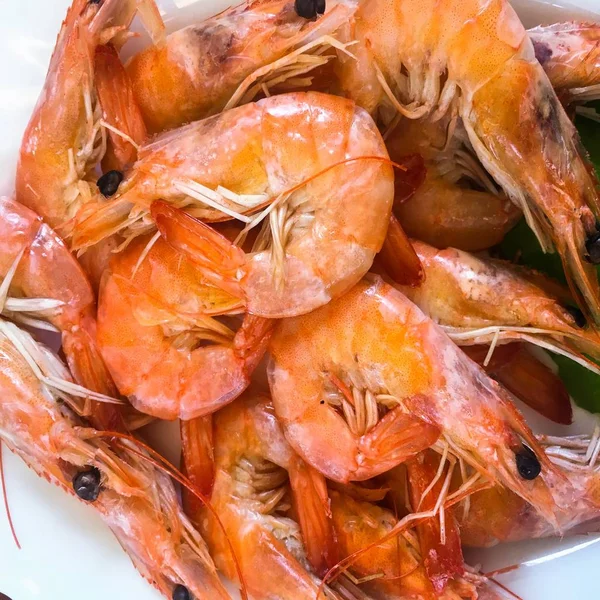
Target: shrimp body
473 60
164 350
570 55
311 158
199 68
334 372
39 265
137 502
64 140
477 299
272 509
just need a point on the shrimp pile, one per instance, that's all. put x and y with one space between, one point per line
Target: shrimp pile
282 228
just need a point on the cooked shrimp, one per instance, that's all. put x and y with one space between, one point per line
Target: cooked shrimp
35 263
164 349
65 138
570 55
274 508
393 570
457 204
247 49
473 60
499 515
335 372
479 300
310 158
137 501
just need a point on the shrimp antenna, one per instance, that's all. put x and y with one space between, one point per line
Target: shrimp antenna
3 482
166 467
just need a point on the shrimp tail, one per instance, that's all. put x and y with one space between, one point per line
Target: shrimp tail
530 380
198 461
311 503
440 543
398 258
88 368
218 259
397 437
119 110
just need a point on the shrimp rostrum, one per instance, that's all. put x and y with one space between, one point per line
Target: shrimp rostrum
474 61
134 498
301 163
373 373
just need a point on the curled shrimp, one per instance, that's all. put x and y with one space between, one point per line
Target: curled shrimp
474 62
230 58
137 501
499 515
274 508
320 236
164 349
65 139
372 372
480 300
570 55
36 264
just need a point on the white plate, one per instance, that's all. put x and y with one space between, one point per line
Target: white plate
67 553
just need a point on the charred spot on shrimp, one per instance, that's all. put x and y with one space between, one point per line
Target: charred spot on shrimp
543 52
528 465
181 593
577 315
592 246
548 116
109 183
87 484
309 9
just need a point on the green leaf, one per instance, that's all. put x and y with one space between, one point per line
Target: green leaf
582 385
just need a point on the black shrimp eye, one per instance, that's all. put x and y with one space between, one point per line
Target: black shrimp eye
181 593
528 465
592 245
109 183
579 317
309 9
87 484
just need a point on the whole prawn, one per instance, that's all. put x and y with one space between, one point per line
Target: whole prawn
474 61
373 373
36 264
137 501
320 236
230 58
274 508
160 340
65 140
